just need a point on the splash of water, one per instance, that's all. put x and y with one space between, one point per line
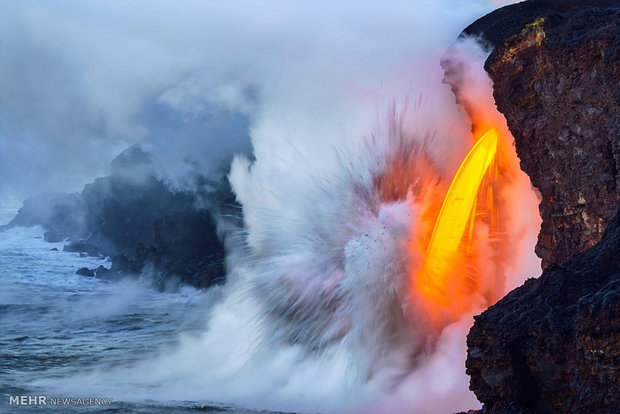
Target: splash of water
318 313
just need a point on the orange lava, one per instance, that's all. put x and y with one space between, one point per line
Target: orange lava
443 279
465 229
461 251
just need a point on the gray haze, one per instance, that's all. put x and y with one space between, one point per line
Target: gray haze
81 81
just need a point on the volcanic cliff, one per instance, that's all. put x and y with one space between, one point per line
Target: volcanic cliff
553 344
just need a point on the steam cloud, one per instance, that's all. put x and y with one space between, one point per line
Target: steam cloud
81 82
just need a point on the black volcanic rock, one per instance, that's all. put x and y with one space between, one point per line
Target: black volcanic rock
134 217
557 83
185 252
123 207
553 344
102 272
82 247
503 23
84 271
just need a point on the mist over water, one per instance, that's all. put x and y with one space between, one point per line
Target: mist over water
315 315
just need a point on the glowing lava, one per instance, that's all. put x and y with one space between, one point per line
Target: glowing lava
443 279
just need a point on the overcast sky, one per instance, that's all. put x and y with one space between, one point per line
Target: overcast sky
82 80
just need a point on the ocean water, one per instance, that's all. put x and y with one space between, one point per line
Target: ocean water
55 324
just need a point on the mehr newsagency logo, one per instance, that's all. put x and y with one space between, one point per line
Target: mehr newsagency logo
44 400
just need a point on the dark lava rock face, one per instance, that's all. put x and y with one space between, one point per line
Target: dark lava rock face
553 344
558 84
84 271
135 217
185 249
496 27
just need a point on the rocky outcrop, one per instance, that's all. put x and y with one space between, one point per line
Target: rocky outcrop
553 344
84 271
62 215
185 249
558 84
137 219
123 207
503 23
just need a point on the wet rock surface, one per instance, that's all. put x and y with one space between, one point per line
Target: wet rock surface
84 271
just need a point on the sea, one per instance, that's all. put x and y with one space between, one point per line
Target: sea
56 325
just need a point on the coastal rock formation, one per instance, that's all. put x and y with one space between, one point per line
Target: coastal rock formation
499 25
62 215
137 219
553 344
558 84
84 271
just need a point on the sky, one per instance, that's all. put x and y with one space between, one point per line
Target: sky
197 81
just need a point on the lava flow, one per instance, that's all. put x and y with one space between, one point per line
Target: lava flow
449 279
457 212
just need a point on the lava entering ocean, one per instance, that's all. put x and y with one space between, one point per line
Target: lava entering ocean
353 281
441 279
458 246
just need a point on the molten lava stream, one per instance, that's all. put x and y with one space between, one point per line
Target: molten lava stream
445 280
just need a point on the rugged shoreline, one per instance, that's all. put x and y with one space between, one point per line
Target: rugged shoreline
553 344
143 224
